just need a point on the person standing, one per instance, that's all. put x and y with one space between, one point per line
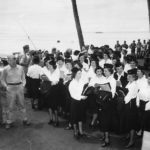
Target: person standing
77 103
131 111
25 59
34 73
24 62
133 47
13 79
108 105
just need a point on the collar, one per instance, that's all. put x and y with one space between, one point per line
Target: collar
122 74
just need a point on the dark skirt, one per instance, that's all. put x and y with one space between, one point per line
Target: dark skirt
147 120
52 97
106 115
62 94
67 98
34 87
141 114
92 106
78 111
131 116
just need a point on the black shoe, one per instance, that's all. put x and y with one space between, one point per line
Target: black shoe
82 135
26 123
76 136
105 144
8 125
130 145
50 122
56 124
91 126
69 128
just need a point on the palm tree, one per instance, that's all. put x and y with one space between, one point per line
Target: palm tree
77 22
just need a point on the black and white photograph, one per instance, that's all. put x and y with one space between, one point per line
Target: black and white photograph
74 74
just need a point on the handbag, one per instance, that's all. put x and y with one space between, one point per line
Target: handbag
103 96
45 87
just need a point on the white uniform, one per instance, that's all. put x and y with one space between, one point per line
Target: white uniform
132 91
76 88
113 84
34 71
53 77
98 80
102 62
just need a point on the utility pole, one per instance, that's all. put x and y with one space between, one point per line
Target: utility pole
148 3
77 22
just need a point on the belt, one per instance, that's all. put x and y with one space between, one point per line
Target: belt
14 83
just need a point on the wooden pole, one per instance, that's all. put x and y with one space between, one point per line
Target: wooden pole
77 22
148 3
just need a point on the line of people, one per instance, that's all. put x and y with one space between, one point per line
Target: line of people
56 82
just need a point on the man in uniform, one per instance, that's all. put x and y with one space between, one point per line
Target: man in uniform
13 79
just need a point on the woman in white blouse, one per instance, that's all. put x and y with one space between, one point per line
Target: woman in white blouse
52 74
77 102
97 78
107 107
131 112
143 101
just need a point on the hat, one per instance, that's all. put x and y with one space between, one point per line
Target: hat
26 47
75 70
68 61
132 71
108 66
118 64
60 58
140 68
76 52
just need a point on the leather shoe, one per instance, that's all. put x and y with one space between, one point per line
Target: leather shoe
129 145
26 123
105 144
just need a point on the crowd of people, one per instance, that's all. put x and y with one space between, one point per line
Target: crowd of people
108 84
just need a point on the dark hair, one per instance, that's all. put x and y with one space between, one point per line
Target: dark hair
78 63
141 69
76 52
74 71
68 61
25 47
98 67
110 70
36 60
60 58
53 63
119 64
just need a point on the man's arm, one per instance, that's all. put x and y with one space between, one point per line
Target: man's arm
23 77
3 78
22 61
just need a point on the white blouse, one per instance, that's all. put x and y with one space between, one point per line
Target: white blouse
141 83
132 91
98 80
102 62
144 94
34 71
91 73
76 88
53 77
113 84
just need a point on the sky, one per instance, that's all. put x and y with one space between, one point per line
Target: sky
47 21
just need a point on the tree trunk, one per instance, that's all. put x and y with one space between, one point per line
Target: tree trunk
77 22
148 3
